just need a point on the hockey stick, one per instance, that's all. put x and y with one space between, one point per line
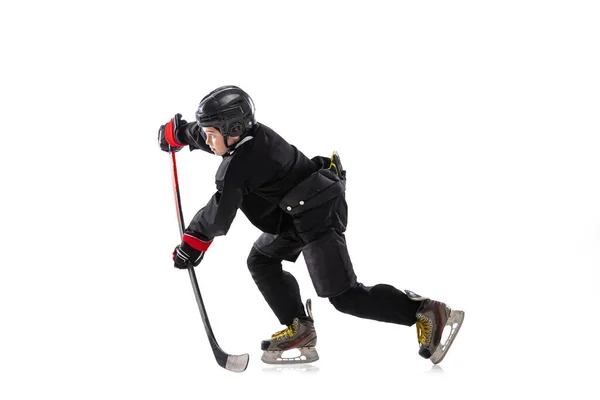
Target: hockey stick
235 363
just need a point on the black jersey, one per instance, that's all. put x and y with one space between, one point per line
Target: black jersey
253 177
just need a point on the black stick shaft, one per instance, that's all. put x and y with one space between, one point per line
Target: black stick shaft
235 363
192 273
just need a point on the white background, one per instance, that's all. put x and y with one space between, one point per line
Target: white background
469 130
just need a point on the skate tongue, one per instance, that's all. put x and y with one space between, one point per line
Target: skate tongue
309 309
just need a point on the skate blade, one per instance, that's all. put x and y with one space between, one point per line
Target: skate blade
307 355
454 322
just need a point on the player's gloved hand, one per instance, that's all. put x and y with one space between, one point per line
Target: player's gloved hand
168 138
185 256
190 252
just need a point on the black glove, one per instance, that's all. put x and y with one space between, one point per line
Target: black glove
186 256
190 252
168 135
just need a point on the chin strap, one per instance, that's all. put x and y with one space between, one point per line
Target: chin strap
229 147
244 138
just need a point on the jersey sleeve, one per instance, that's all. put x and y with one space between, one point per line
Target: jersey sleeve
216 217
193 136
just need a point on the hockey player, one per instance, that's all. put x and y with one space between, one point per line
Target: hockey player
299 205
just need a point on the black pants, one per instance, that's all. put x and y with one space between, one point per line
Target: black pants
319 237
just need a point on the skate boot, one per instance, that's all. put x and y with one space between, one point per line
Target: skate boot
432 317
299 335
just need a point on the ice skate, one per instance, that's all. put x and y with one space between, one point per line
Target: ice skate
300 335
432 318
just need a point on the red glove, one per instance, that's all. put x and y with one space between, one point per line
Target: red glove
168 139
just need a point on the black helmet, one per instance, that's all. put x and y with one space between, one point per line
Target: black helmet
229 109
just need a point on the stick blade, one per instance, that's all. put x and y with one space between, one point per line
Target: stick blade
237 363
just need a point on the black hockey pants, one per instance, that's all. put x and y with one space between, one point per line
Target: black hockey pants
281 291
318 235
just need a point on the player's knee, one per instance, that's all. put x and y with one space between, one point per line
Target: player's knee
342 302
257 262
349 301
253 260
